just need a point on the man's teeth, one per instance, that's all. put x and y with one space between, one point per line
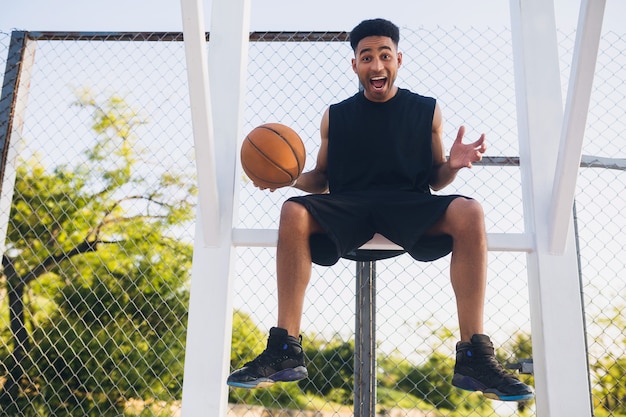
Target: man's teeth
378 82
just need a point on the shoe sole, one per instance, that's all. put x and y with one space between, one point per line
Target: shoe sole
467 383
287 375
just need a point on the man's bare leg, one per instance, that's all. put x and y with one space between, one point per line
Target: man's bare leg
476 368
293 264
464 221
283 359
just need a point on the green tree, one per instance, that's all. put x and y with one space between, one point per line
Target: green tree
430 380
519 349
247 341
91 243
331 369
609 384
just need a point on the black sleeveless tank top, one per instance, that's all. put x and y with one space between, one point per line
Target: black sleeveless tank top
381 146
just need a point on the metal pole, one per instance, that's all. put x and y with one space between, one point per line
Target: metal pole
365 340
9 94
13 100
582 293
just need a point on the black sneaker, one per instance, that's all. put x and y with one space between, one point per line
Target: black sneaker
477 369
282 361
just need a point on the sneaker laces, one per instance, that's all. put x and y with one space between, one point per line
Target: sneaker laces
265 356
493 365
271 353
484 355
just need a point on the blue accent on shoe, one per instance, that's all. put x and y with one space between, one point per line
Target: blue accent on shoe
286 375
281 361
477 369
525 397
467 383
257 383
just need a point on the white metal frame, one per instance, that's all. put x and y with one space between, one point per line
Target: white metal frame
549 157
210 305
557 322
574 122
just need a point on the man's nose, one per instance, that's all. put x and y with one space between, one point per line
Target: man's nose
378 64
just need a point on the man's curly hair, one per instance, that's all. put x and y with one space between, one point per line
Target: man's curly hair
374 27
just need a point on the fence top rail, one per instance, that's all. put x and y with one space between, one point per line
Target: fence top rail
586 161
281 36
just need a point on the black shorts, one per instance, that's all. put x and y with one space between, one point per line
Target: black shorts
351 219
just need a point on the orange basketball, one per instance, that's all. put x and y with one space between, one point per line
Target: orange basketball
273 155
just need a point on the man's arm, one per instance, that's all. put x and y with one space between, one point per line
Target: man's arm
316 180
461 155
442 174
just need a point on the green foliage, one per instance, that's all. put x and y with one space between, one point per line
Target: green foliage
520 345
609 384
429 382
119 334
610 389
109 325
247 340
388 398
331 369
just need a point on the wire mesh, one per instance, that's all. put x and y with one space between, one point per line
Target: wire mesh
106 160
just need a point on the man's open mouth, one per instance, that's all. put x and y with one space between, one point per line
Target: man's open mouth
378 82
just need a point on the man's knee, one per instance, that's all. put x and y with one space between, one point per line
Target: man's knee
291 214
466 215
468 208
295 217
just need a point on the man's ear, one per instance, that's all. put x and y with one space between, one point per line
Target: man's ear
399 59
354 65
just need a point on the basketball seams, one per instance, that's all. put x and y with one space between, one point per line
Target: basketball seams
273 155
288 142
271 161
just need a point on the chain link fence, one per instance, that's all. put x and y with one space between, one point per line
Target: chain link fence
97 257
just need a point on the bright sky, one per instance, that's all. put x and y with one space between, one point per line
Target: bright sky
165 15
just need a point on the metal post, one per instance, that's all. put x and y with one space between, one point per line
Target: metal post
8 95
582 294
13 99
365 340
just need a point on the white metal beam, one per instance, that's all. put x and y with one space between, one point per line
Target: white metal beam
209 328
201 117
574 122
557 325
505 242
